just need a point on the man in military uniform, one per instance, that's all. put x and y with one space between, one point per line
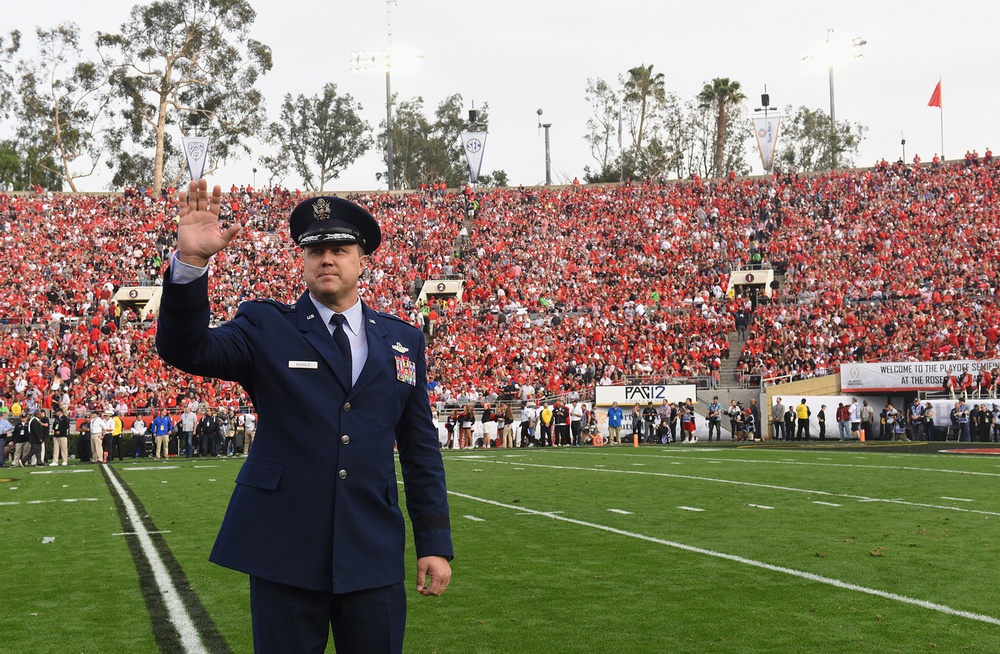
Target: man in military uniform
315 519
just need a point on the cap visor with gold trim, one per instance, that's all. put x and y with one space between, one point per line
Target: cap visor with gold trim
324 220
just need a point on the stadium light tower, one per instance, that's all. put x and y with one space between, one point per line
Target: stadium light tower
835 52
368 61
548 152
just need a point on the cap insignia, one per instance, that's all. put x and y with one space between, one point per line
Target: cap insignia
321 209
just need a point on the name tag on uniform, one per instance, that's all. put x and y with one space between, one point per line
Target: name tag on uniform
406 370
303 365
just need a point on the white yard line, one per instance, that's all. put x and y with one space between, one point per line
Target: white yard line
71 499
620 511
473 518
691 454
933 606
178 613
791 489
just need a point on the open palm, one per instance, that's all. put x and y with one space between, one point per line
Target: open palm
199 234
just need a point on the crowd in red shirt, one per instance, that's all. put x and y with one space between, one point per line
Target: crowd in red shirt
564 288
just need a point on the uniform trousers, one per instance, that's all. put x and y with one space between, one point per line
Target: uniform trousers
292 620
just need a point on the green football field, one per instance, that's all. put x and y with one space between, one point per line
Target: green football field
655 549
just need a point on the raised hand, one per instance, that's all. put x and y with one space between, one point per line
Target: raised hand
199 234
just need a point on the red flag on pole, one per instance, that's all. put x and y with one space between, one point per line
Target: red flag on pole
936 97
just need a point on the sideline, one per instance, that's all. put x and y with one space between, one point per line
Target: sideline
932 606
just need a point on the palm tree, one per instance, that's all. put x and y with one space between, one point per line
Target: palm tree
641 86
720 94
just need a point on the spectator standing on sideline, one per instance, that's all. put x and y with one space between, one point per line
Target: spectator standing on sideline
22 446
715 418
802 412
755 412
324 550
208 433
615 417
188 422
821 420
36 436
117 427
778 419
843 421
96 438
250 428
6 429
855 416
60 438
867 419
139 436
162 425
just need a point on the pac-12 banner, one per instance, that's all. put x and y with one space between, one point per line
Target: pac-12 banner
196 154
474 143
906 376
766 130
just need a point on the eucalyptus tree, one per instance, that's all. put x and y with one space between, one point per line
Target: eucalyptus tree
187 65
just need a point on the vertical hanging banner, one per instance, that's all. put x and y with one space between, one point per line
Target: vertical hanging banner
766 130
196 153
474 143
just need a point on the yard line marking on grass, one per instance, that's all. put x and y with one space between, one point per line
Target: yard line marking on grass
196 467
473 518
620 511
691 508
760 506
59 472
792 462
70 499
809 576
170 599
827 503
135 533
957 499
145 468
809 491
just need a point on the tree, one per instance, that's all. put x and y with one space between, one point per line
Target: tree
806 143
60 109
23 166
426 151
643 87
321 135
175 59
602 132
9 46
720 96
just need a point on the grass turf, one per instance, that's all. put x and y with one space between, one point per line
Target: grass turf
544 564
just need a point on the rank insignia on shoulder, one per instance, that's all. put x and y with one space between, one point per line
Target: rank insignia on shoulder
399 347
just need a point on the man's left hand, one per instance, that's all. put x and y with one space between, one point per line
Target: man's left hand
433 575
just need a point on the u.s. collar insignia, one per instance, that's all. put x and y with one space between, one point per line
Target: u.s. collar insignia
321 209
399 347
310 316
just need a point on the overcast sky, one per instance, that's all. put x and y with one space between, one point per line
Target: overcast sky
519 56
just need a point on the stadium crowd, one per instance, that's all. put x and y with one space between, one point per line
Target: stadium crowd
564 288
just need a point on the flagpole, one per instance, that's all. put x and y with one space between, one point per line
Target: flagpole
941 110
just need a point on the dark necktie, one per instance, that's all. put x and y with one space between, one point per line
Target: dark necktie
344 343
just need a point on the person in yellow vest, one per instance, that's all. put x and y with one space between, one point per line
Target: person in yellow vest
117 427
16 409
545 431
802 412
